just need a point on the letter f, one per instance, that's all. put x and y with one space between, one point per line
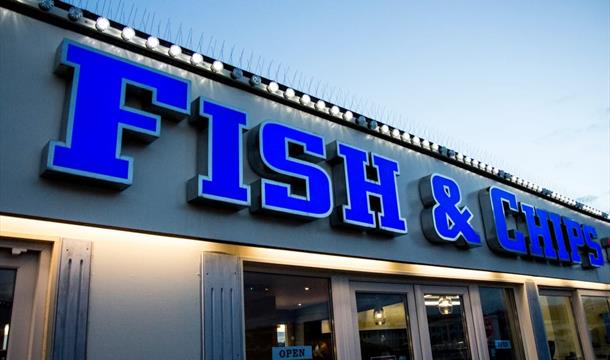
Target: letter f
97 115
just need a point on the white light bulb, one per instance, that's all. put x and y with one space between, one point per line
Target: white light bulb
320 105
152 42
305 99
217 66
434 147
396 133
415 140
102 24
196 59
385 129
289 93
273 87
348 116
406 137
425 144
174 50
334 110
128 33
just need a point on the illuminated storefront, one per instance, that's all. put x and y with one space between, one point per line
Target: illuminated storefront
238 218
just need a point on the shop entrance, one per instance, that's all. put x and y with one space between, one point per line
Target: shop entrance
402 322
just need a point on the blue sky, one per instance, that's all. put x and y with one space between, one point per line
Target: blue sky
522 85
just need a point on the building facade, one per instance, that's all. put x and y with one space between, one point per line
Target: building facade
156 203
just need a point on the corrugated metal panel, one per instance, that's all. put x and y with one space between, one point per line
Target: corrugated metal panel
222 307
70 337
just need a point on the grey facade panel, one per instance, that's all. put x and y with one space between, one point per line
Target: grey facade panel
533 301
32 100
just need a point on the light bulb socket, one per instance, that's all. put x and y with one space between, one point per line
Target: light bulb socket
46 5
237 74
255 80
75 14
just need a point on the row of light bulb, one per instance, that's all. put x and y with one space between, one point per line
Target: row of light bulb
128 34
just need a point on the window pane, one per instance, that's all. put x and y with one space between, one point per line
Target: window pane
447 326
501 325
598 320
382 322
287 313
7 290
560 327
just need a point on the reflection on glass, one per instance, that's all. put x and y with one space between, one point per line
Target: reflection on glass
7 290
560 327
598 320
285 312
501 326
382 322
447 327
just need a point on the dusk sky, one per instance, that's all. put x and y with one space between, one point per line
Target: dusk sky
522 85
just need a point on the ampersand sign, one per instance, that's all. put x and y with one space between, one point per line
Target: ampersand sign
442 219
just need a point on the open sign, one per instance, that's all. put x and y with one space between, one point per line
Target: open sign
292 352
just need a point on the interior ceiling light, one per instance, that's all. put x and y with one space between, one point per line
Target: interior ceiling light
379 316
445 306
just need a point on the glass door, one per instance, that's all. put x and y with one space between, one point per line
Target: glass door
560 325
594 307
385 321
446 323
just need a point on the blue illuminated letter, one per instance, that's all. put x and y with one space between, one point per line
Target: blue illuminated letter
224 181
97 114
354 188
575 238
539 237
443 220
595 257
284 156
563 255
497 205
